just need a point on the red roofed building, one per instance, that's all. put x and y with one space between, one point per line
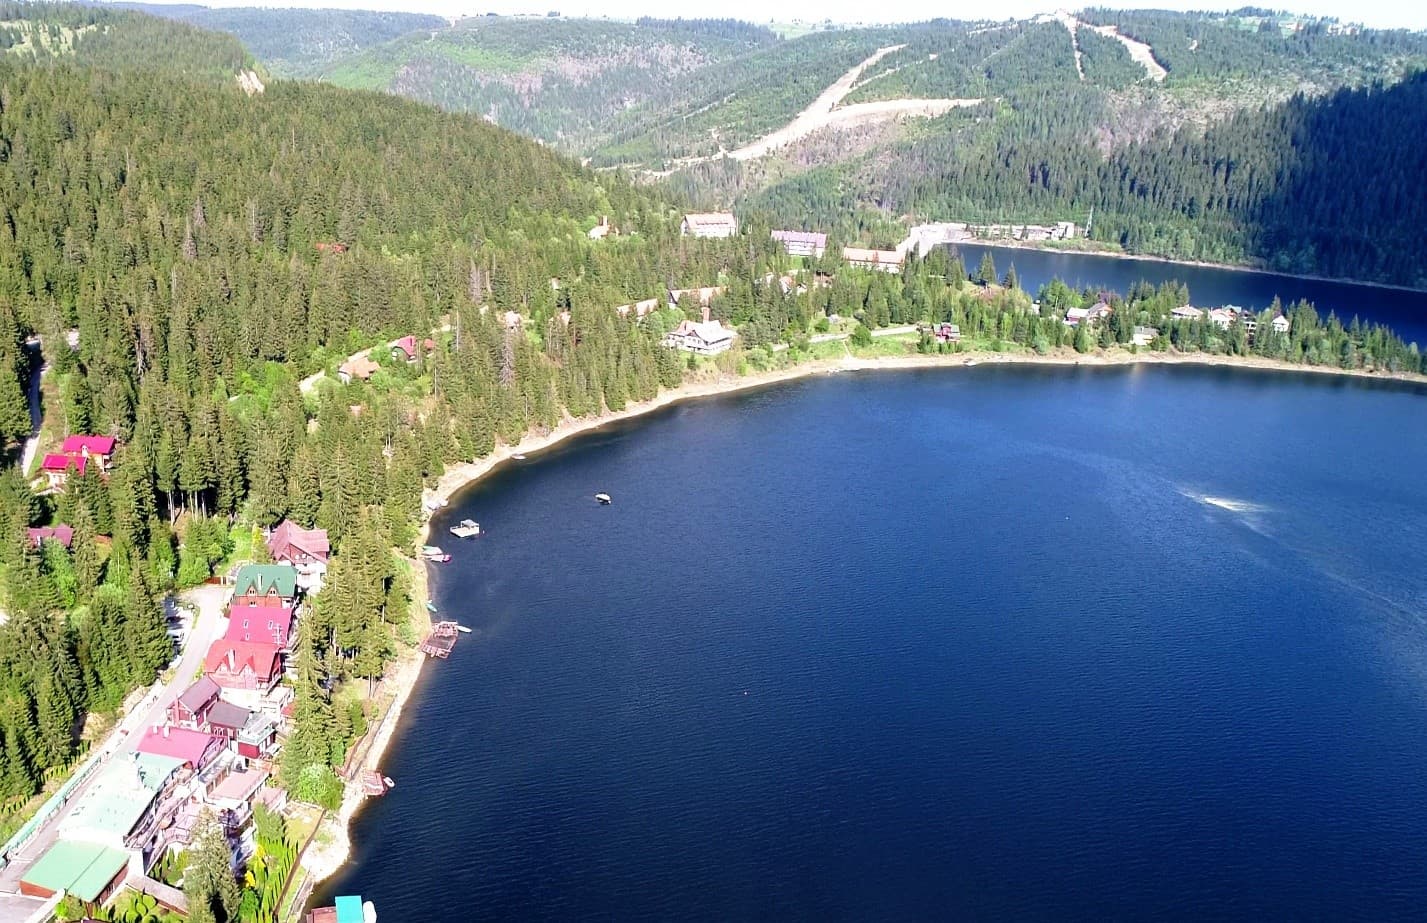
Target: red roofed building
268 624
405 348
244 666
190 709
60 533
195 748
99 448
305 549
56 468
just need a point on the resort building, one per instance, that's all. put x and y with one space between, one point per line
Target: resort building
1186 312
1281 324
89 872
307 550
882 260
405 349
1144 336
269 624
116 812
709 224
707 338
245 670
264 585
802 243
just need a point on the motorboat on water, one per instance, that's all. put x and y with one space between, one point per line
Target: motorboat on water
604 499
466 528
518 457
463 629
431 607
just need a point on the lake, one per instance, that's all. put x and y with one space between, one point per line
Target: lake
991 643
1403 311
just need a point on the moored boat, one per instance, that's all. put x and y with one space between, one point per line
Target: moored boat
466 528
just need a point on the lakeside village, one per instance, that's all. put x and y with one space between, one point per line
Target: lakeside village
209 758
711 337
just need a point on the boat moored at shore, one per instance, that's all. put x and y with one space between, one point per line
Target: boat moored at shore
466 528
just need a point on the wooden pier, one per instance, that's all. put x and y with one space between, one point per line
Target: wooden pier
440 641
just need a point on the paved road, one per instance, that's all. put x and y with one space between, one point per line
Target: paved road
206 628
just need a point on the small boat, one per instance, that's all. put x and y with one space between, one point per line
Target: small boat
971 363
518 457
389 782
463 629
433 504
467 528
429 550
604 499
439 558
430 606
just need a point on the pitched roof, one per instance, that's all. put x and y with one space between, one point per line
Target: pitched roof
259 578
235 655
55 461
81 869
361 367
95 445
193 747
710 220
260 623
801 237
60 533
709 331
200 694
227 715
289 537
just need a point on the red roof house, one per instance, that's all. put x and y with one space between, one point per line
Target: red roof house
405 348
195 748
60 533
302 548
56 468
98 447
268 624
244 665
190 709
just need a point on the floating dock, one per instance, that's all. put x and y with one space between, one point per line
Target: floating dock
441 640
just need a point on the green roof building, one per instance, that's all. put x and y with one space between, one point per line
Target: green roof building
121 798
265 580
89 871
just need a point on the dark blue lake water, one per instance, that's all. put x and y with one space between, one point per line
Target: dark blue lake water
1403 311
991 643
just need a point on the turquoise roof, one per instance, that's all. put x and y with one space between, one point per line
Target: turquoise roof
81 869
349 909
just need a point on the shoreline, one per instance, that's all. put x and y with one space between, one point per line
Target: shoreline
406 670
1197 264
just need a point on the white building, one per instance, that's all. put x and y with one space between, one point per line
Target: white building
709 224
707 337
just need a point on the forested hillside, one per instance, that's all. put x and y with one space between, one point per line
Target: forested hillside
1316 185
115 40
562 81
172 225
298 43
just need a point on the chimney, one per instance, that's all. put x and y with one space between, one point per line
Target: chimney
706 314
165 732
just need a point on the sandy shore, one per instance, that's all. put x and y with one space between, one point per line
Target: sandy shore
331 847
